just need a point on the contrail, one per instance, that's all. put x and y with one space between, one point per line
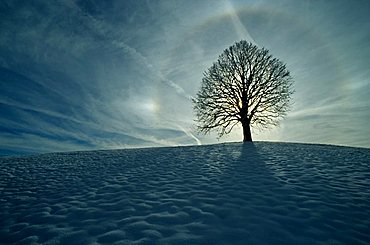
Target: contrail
106 31
238 25
189 134
144 61
102 29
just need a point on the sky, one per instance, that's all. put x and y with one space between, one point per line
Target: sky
84 75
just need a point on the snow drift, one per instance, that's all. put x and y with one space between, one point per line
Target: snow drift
261 193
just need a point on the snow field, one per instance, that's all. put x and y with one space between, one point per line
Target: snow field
261 193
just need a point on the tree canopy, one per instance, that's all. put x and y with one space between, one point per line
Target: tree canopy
246 86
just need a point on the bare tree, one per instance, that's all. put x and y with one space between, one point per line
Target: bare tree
246 86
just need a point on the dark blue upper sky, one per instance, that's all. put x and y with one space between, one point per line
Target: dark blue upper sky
78 75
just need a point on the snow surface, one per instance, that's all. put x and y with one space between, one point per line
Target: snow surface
261 193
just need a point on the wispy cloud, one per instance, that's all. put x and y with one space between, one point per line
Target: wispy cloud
97 74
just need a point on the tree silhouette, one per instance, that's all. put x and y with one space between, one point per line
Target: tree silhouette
246 86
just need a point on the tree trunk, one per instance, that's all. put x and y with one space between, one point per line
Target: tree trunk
247 135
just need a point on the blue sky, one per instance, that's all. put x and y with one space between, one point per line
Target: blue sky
79 75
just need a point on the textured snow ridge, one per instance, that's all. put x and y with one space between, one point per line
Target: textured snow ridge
262 193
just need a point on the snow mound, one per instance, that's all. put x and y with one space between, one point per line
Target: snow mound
261 193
